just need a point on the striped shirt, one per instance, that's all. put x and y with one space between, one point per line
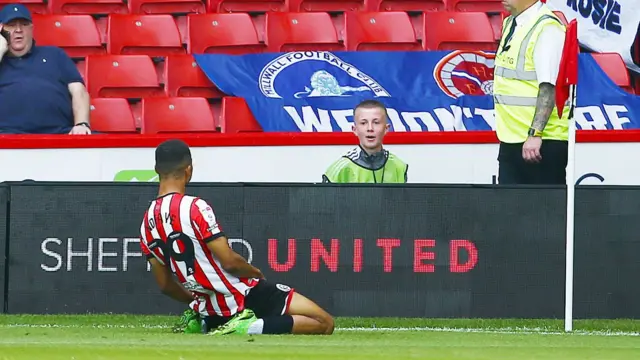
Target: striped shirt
175 230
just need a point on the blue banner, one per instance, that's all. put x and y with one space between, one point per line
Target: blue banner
423 91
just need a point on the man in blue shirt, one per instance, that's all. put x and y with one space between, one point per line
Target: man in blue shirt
41 90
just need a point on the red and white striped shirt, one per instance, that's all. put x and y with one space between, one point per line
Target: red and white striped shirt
176 229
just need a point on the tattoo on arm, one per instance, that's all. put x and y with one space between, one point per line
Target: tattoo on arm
544 105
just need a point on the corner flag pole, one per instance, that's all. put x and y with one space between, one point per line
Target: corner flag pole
566 85
568 310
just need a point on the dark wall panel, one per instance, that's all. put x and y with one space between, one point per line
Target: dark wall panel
606 253
4 192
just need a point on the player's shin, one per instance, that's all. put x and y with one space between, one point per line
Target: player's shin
310 326
272 325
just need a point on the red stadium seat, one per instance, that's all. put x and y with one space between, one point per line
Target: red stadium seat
81 66
327 5
77 35
613 65
496 23
406 5
87 7
112 115
304 31
153 35
485 6
444 30
237 117
563 18
415 8
261 6
383 31
222 33
176 115
126 76
35 6
183 77
166 6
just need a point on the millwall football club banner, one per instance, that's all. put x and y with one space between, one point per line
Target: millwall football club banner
604 25
423 91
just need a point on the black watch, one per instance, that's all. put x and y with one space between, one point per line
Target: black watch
534 132
86 124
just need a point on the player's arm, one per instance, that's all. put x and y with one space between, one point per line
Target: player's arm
209 232
231 261
168 284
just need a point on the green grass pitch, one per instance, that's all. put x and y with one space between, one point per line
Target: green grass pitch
77 337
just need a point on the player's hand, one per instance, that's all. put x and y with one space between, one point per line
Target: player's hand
4 44
531 149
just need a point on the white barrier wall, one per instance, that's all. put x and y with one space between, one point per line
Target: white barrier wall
441 161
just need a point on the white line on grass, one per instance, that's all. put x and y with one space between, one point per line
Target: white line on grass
507 330
95 326
519 330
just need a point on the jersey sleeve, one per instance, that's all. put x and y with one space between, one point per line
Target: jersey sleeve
149 247
204 222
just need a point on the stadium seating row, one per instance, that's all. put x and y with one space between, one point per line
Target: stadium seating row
171 115
138 76
236 33
101 7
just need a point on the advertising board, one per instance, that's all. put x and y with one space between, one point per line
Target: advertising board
420 251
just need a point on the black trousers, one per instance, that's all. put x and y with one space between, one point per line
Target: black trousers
551 170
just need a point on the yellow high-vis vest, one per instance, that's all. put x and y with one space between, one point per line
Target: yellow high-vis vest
515 85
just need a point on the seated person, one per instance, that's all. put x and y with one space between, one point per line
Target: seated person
369 162
41 90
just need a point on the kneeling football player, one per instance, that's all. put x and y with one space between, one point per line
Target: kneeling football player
226 295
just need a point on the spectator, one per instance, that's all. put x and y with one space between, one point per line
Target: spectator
41 90
533 139
369 162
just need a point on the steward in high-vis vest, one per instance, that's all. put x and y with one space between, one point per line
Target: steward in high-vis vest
369 162
533 139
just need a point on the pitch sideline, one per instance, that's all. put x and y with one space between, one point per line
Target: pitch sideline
506 331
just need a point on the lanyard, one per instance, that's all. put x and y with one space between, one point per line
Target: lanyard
375 180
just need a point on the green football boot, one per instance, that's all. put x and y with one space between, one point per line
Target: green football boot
239 324
189 323
194 327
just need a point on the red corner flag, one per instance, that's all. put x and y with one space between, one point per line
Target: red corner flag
568 73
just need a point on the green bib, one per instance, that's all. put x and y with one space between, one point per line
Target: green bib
357 166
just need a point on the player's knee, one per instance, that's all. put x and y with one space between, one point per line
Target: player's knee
328 324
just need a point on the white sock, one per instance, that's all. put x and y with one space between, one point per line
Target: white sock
256 327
